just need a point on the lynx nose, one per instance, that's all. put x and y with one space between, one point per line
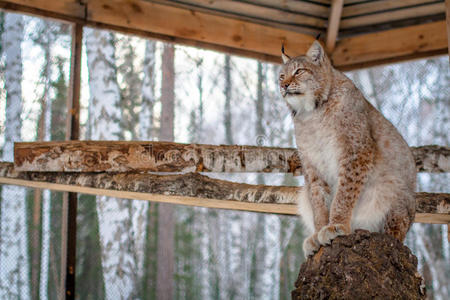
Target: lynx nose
286 85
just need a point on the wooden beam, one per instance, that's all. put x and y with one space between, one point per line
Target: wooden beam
394 15
193 25
254 11
391 46
122 156
172 24
70 200
333 24
68 8
196 190
372 7
73 97
447 18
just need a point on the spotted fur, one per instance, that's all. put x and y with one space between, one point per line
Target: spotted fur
359 171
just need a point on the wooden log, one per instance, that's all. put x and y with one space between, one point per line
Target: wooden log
362 265
197 190
107 156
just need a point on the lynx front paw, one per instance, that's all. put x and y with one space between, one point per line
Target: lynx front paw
311 245
329 232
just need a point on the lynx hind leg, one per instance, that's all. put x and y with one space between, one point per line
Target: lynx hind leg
398 223
305 211
310 244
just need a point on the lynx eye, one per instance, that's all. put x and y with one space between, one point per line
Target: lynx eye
300 71
281 77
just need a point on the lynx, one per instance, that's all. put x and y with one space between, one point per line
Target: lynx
359 172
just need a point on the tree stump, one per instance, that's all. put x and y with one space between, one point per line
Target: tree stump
362 265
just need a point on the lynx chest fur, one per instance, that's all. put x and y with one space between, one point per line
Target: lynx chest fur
317 144
359 172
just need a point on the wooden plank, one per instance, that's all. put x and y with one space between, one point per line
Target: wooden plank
197 190
378 6
123 156
198 26
447 18
310 8
70 200
72 8
390 16
333 24
237 9
73 97
390 46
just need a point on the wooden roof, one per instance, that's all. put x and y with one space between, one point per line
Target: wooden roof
358 16
357 33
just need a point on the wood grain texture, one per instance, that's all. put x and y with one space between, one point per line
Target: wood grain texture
447 20
390 46
333 24
121 156
194 25
238 10
379 6
195 190
72 8
395 15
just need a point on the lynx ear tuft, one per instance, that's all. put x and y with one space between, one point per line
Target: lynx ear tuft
316 52
284 56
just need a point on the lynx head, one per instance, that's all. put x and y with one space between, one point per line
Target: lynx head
305 80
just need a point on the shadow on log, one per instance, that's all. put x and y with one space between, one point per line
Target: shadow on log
362 265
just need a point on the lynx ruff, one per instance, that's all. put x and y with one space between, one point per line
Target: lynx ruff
359 172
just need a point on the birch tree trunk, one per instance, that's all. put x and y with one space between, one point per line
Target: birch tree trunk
14 261
268 243
146 128
45 40
165 255
146 131
118 261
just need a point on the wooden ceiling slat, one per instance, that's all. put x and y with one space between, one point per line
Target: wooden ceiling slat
447 18
314 9
72 8
197 26
379 6
391 46
390 16
249 10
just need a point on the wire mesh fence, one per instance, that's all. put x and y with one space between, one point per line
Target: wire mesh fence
130 87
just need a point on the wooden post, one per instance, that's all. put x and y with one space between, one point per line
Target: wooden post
69 227
333 24
447 17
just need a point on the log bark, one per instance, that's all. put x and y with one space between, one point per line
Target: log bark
430 207
362 265
108 156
